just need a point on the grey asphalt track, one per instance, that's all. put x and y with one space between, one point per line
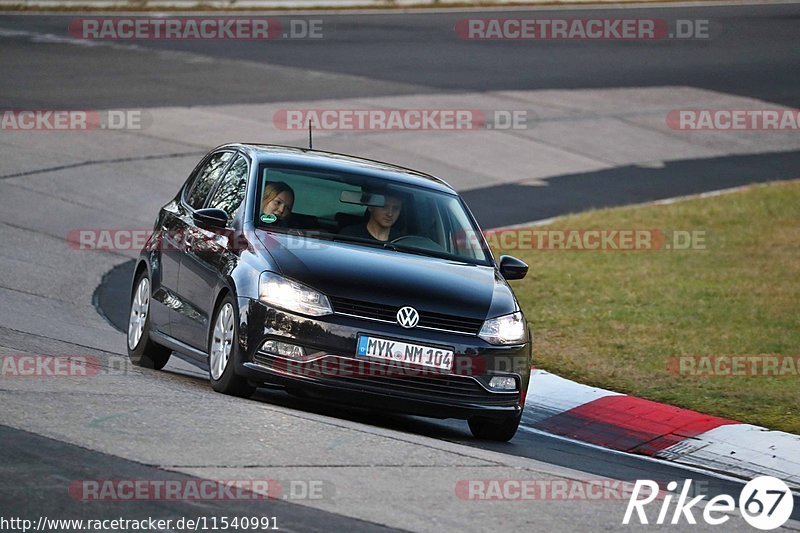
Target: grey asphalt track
750 53
35 467
626 185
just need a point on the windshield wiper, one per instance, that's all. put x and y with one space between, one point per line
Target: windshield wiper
401 248
387 245
421 251
396 247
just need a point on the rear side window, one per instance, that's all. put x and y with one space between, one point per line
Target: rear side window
231 190
206 178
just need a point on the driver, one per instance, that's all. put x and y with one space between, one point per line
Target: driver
381 219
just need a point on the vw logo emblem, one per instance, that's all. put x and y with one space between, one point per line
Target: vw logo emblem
407 317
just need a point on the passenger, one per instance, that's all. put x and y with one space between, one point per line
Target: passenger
381 219
278 202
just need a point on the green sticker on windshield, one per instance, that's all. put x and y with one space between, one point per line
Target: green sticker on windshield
268 219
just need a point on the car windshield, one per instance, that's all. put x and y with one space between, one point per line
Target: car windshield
368 211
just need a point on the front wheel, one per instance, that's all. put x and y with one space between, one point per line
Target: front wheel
223 347
142 351
497 430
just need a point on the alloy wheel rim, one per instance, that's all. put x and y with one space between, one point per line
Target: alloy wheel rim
140 306
221 341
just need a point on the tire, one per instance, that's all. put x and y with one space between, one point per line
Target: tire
223 351
497 430
142 351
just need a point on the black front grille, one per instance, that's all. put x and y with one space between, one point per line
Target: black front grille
427 319
365 309
377 377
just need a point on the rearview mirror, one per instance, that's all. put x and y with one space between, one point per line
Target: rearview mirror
362 198
512 268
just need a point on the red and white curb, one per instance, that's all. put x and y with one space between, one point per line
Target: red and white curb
634 425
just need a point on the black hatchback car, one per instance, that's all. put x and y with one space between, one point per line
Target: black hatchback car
336 277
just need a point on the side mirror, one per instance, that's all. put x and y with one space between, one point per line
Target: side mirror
512 268
210 218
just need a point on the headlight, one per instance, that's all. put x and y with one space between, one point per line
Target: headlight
507 329
292 296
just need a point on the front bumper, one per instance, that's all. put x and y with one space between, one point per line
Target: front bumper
332 369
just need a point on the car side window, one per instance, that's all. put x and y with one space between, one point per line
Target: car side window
206 178
231 190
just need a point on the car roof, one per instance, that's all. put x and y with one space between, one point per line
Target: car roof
318 159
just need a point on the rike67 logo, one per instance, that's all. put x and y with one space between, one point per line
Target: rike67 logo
765 503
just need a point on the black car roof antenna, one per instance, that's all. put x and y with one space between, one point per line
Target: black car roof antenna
310 143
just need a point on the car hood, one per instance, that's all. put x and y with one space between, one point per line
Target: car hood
390 277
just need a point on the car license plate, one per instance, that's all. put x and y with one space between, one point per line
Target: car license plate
403 352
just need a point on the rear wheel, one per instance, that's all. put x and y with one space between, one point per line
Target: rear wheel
498 430
142 351
223 348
